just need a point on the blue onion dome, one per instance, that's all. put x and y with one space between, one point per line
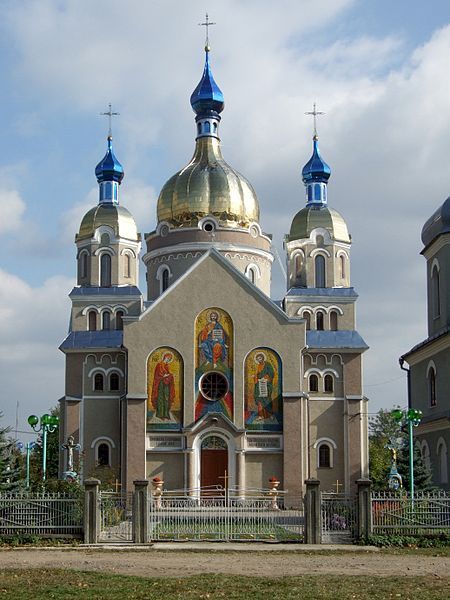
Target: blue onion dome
207 98
438 224
316 169
109 168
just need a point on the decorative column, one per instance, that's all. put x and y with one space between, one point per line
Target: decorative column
191 484
91 524
364 523
240 471
140 512
313 520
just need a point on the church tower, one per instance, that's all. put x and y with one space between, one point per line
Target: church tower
207 204
108 247
319 291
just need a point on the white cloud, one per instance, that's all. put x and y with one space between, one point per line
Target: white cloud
33 322
12 208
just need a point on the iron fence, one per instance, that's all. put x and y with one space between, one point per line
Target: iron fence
399 513
45 515
229 516
116 513
338 514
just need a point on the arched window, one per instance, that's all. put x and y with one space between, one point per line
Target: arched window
84 265
317 194
199 128
298 265
442 461
319 320
103 455
164 280
207 127
313 383
342 265
92 320
114 382
251 274
106 320
104 239
127 265
320 271
324 458
307 317
333 320
99 382
328 383
435 292
119 320
105 270
432 387
215 127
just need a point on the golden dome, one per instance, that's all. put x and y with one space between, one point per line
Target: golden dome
114 216
314 216
208 186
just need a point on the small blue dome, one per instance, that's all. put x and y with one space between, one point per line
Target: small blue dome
316 169
109 168
207 97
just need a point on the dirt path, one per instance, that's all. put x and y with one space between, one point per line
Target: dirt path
163 563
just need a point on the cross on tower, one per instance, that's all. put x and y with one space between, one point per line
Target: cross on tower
207 24
109 114
314 114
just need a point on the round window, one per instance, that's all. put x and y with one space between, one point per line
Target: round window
208 226
213 386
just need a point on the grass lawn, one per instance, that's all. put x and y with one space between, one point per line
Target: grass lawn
36 584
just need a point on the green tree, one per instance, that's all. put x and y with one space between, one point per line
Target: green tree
384 430
10 465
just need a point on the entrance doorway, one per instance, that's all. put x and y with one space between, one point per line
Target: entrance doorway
213 466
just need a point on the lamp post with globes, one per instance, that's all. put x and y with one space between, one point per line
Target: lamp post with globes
413 417
28 448
47 424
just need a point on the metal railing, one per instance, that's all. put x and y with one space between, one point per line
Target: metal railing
399 513
45 515
116 512
232 515
338 513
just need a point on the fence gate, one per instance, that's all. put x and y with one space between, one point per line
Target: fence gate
116 511
338 518
225 518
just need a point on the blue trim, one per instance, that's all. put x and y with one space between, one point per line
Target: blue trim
78 340
335 339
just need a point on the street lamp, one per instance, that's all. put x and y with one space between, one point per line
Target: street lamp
28 448
48 424
413 418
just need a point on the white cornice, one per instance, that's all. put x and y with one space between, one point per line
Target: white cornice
429 350
204 247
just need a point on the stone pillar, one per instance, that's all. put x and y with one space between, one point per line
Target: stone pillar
141 514
191 483
91 523
312 519
240 471
364 508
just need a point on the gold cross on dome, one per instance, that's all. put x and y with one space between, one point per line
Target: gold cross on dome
109 114
315 113
207 24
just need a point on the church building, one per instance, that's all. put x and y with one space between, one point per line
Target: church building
208 381
429 360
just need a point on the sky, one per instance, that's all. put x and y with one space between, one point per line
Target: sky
378 69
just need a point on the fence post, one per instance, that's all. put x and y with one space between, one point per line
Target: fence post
91 521
364 503
140 512
313 521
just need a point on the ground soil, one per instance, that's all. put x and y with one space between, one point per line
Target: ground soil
156 562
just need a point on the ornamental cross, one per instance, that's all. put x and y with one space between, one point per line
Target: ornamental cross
337 485
109 114
314 114
207 24
226 477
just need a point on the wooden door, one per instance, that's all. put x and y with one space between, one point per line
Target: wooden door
214 464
